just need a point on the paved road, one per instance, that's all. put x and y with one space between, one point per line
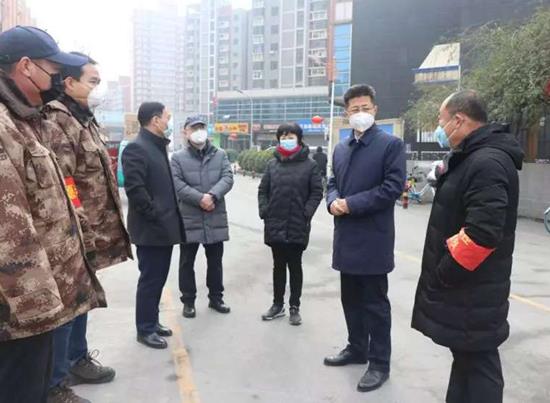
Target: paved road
240 359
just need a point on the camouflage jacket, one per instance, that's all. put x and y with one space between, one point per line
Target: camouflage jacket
45 280
81 153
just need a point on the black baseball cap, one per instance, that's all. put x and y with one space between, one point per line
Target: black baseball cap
34 43
194 120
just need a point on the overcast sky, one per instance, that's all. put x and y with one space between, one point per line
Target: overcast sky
101 28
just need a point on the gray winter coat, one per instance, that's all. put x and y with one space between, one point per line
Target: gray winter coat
196 173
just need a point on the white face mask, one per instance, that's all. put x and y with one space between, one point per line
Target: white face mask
199 137
97 96
361 121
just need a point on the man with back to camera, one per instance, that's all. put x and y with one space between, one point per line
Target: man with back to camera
368 177
154 221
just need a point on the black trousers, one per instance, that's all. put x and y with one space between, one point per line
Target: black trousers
154 264
368 317
287 255
25 369
214 271
476 377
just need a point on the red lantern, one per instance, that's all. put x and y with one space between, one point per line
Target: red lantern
233 136
317 120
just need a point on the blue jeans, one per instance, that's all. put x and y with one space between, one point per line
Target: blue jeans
69 346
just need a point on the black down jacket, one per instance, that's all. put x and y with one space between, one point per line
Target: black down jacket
289 194
467 309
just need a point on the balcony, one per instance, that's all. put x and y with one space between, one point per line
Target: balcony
258 22
258 40
318 16
318 34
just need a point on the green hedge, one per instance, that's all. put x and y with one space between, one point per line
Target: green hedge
232 155
254 161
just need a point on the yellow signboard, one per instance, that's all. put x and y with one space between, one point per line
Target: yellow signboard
241 128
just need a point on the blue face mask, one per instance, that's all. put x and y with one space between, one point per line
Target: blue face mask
289 144
441 137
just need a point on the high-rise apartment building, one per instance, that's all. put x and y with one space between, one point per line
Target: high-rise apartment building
14 12
215 53
288 38
158 51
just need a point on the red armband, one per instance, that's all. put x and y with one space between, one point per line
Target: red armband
466 252
72 191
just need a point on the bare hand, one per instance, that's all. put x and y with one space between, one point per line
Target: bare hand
343 205
207 202
336 209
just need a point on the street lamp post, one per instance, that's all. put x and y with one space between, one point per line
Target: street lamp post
251 117
330 65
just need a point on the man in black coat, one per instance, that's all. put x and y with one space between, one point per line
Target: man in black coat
321 159
462 296
154 222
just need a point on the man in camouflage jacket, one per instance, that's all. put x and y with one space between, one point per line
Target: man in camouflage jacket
80 148
45 280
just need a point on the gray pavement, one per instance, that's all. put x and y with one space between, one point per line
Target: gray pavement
237 358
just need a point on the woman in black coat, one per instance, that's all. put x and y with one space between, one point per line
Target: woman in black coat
289 194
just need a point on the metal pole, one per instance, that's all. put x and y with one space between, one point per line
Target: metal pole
251 123
329 153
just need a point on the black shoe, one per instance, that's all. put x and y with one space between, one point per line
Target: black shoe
152 340
163 331
189 311
276 311
345 357
219 306
295 318
372 380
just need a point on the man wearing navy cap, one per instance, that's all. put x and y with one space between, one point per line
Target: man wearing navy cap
202 178
45 280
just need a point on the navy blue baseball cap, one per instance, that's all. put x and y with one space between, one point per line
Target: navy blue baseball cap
194 120
33 43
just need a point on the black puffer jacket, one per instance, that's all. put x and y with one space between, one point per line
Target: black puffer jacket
458 308
289 194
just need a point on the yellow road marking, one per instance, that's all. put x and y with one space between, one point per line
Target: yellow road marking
182 362
513 296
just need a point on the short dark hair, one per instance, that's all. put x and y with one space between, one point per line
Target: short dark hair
293 128
7 68
148 110
359 90
469 103
76 71
319 149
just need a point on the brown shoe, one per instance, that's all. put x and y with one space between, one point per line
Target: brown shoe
64 394
89 370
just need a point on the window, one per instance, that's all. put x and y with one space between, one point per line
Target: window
299 74
299 56
319 34
275 11
258 30
274 47
274 29
274 65
274 83
299 37
300 19
257 75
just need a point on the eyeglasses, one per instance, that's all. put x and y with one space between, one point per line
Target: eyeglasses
363 108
